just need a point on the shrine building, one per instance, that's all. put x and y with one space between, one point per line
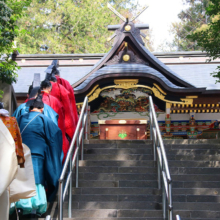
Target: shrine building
119 83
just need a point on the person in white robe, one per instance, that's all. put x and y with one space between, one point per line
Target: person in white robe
8 168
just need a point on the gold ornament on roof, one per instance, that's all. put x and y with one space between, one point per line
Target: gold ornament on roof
126 57
128 27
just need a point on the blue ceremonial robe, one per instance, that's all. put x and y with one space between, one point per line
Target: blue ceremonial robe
44 139
48 111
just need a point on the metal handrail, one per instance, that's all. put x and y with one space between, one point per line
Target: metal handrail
164 178
178 217
72 160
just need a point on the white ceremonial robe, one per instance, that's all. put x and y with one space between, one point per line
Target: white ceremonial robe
8 168
23 186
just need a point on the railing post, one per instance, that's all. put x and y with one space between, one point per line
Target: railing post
70 188
82 146
151 122
170 201
164 201
87 113
60 201
77 162
158 174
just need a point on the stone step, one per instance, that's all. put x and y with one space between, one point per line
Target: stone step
144 218
198 214
117 163
195 177
115 213
196 184
128 142
196 198
192 152
120 157
120 205
144 150
149 170
192 146
133 170
118 146
166 142
188 163
212 206
194 170
118 151
191 141
194 157
123 198
117 191
105 184
117 176
197 191
144 191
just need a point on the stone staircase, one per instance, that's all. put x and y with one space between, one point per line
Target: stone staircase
118 180
195 171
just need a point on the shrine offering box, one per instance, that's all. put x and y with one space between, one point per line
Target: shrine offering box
123 129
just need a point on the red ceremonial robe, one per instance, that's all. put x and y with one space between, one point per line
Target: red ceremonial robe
55 104
62 95
67 85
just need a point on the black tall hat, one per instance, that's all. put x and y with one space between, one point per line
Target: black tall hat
52 69
35 91
38 103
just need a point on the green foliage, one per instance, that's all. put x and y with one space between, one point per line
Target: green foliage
208 36
10 11
191 18
67 26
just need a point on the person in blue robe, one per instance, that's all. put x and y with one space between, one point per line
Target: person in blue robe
24 108
44 139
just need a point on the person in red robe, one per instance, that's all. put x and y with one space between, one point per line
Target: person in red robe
62 95
67 85
57 106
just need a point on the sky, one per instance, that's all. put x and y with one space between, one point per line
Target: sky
159 15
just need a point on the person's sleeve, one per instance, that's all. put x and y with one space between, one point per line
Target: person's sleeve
53 160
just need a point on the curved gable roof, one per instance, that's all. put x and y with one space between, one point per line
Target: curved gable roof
165 73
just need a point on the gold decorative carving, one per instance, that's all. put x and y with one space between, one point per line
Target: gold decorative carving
132 83
191 97
92 90
125 83
95 95
128 27
159 89
126 57
157 93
